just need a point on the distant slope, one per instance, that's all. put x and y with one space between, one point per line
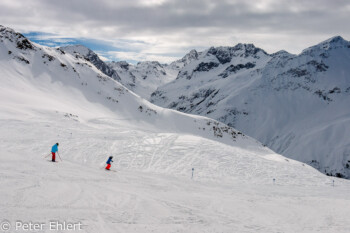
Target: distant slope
54 80
295 104
142 78
84 52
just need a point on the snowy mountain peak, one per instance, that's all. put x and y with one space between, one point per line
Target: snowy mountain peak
225 54
118 64
243 46
10 36
248 49
282 53
188 58
5 31
192 55
150 64
81 49
336 42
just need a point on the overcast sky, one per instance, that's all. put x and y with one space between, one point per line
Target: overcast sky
165 30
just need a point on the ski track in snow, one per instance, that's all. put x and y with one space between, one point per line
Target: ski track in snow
152 190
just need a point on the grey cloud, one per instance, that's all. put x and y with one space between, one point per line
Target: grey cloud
191 20
174 15
128 18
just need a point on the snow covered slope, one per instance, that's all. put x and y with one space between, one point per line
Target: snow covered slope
298 105
84 52
144 77
49 96
188 58
73 84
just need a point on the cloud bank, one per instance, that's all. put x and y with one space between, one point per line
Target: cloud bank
167 29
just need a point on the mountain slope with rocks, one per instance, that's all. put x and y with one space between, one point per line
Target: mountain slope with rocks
298 105
144 77
80 51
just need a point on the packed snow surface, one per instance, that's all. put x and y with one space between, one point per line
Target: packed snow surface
152 190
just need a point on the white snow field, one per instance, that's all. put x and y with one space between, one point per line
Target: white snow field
48 96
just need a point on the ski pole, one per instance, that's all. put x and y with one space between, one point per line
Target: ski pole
59 156
47 155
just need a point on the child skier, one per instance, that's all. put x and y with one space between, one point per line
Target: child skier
109 161
54 149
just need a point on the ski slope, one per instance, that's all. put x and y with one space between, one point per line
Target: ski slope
151 188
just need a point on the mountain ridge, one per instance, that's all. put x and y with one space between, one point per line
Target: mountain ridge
41 68
196 86
292 87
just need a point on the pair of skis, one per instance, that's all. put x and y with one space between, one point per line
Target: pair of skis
111 170
58 156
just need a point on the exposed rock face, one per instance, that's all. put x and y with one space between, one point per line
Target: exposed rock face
79 50
144 77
